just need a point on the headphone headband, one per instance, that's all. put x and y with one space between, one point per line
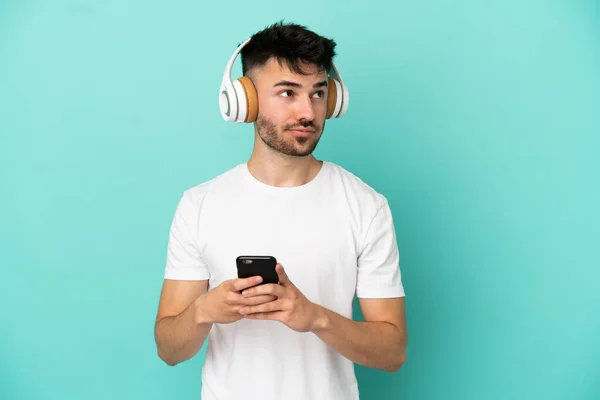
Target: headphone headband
229 66
239 103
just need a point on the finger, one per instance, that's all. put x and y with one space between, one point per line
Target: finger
255 300
268 288
272 316
283 278
234 298
244 283
261 308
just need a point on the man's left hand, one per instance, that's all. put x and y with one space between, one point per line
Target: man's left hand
290 307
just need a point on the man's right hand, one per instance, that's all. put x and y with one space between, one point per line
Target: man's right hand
221 305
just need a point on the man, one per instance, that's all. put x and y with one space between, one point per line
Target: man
331 233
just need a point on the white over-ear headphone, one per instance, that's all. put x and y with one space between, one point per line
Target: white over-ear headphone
239 102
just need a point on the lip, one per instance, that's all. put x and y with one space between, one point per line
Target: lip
302 132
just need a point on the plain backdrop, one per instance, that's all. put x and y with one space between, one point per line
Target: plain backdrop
479 121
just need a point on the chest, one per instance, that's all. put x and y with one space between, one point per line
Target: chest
312 238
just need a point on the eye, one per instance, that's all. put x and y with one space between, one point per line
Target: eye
288 92
320 94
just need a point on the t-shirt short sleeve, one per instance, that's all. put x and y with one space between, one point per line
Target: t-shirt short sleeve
184 259
379 259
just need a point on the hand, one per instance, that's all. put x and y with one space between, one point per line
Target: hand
291 307
222 304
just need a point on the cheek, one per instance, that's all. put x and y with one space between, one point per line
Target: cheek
275 110
321 110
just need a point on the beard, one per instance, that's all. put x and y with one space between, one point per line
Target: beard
293 146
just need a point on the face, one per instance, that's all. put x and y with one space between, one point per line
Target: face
292 107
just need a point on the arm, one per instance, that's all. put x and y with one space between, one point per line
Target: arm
178 333
378 342
187 312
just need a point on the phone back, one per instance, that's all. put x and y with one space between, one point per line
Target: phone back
264 266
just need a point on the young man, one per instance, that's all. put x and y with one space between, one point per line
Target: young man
331 233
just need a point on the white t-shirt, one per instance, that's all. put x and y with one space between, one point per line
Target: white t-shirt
335 238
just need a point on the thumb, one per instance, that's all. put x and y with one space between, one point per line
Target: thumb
283 278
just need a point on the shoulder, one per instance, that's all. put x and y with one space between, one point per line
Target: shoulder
356 188
196 195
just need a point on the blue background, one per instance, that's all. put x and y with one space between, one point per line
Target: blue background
479 121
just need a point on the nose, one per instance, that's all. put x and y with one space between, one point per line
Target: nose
305 108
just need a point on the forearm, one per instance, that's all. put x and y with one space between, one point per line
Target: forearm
378 345
180 337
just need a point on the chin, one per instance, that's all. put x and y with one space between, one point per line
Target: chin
305 149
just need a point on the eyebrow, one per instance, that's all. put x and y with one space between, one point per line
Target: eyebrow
297 85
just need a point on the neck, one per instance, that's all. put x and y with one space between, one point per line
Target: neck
280 170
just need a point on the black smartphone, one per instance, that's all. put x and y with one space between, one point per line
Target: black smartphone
264 266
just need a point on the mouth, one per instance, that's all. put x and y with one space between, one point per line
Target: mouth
302 132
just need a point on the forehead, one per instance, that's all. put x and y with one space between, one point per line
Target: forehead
274 71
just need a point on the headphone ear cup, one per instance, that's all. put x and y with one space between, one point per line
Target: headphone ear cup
251 98
345 101
228 102
331 97
335 98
